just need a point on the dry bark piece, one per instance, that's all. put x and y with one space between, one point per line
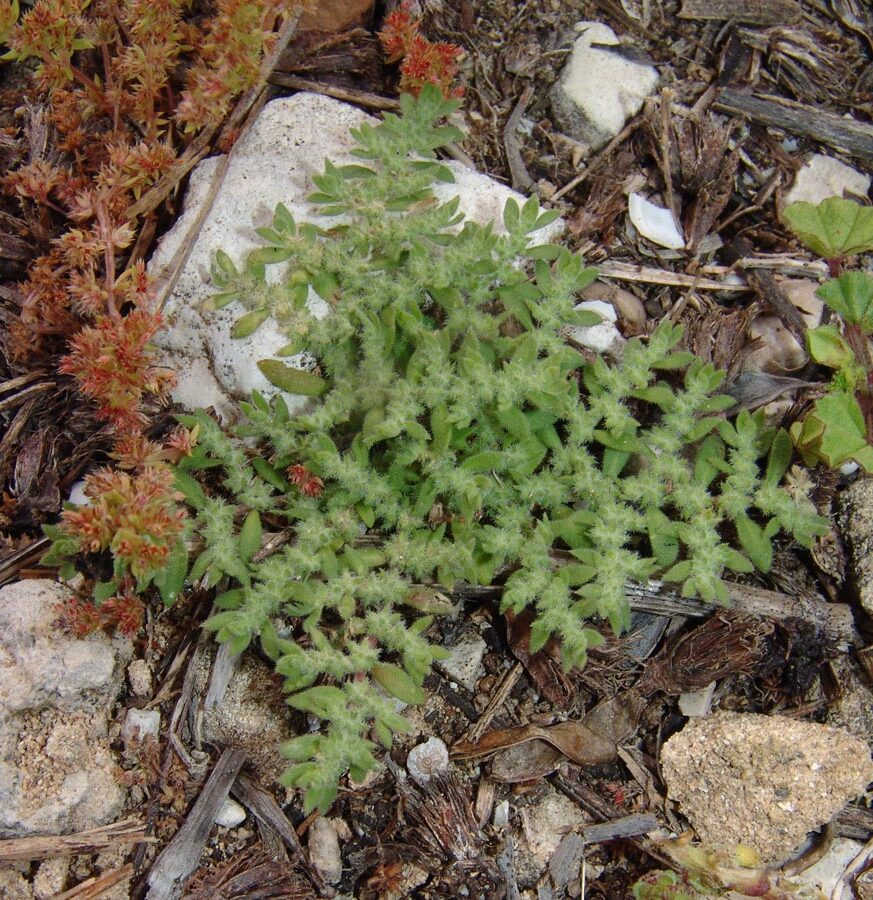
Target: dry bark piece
755 12
544 666
247 875
799 118
178 859
94 840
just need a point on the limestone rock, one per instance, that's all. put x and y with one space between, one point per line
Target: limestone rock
324 850
600 88
464 662
823 177
274 162
764 781
56 693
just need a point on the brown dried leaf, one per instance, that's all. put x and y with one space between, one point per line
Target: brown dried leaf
544 666
575 740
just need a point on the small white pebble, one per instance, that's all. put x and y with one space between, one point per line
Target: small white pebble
501 814
427 760
140 724
231 814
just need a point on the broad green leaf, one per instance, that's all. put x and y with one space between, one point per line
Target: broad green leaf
833 433
829 348
294 381
755 542
398 683
851 295
187 485
833 229
249 323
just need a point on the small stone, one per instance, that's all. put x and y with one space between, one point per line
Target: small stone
324 850
628 306
546 824
50 877
654 223
231 814
139 676
501 814
764 781
427 760
464 661
600 88
140 724
823 177
697 703
602 338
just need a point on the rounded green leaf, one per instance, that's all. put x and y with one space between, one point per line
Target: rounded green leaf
833 229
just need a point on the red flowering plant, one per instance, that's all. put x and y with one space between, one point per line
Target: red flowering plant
422 62
126 85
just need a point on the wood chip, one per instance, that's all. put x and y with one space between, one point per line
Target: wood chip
798 118
95 840
754 12
179 859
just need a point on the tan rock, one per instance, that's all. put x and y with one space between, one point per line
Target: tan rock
335 15
763 781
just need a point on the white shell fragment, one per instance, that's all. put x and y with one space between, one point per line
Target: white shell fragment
655 223
427 760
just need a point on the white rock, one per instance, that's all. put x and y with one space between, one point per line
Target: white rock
823 177
427 760
140 724
139 676
57 770
77 493
231 814
501 814
599 89
697 703
603 338
628 307
324 850
464 661
274 162
654 222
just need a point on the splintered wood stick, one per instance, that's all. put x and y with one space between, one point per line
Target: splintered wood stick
95 840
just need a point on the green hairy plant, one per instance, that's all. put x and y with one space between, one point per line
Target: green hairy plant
839 428
454 435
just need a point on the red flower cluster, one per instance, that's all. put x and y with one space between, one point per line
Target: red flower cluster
423 62
80 618
113 364
308 484
136 516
